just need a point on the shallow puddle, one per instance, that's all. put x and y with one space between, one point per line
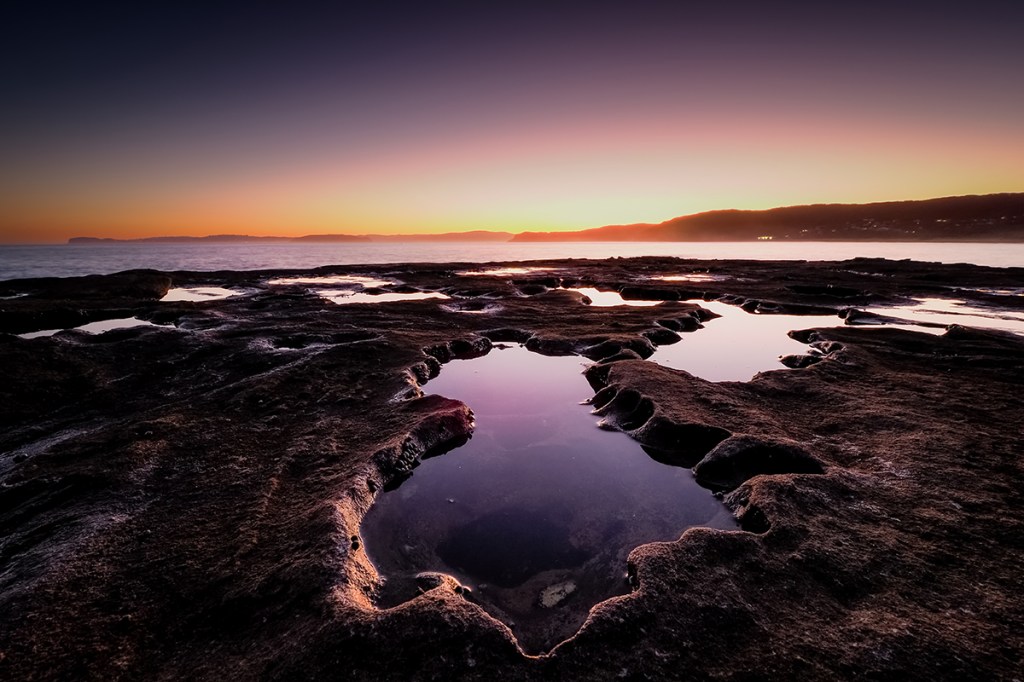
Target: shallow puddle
347 297
692 277
322 280
96 327
945 311
1012 291
610 299
538 512
198 294
738 345
501 272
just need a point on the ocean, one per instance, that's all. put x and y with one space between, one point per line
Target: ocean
66 260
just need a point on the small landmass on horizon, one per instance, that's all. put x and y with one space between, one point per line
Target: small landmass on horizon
473 236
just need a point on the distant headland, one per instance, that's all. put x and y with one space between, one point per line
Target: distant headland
976 218
990 217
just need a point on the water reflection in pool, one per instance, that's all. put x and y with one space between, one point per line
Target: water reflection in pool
539 510
501 272
946 311
360 280
692 277
97 327
738 345
610 299
347 297
198 294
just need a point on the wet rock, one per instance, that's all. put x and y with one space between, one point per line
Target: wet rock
551 346
637 417
639 345
855 316
678 444
426 370
808 336
441 352
739 458
470 348
625 354
507 335
533 289
704 315
597 375
830 290
640 293
800 361
302 340
627 410
444 427
430 580
797 309
662 337
751 517
688 323
603 396
535 282
827 347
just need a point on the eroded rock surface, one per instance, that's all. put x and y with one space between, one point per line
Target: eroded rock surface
185 502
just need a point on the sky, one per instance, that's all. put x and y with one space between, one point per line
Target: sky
141 119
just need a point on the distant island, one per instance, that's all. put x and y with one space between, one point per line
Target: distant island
985 218
473 236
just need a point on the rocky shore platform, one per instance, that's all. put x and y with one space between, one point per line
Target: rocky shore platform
183 501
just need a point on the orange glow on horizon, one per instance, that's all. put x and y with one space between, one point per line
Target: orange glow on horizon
343 121
528 178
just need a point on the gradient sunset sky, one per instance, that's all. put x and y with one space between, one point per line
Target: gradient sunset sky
142 119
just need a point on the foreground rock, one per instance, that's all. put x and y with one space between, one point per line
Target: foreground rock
184 502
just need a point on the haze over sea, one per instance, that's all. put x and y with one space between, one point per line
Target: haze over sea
65 260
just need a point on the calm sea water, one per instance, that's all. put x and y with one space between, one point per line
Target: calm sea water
65 260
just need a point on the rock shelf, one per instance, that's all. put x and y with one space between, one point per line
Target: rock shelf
184 501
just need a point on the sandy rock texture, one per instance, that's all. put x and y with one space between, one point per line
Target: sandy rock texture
184 501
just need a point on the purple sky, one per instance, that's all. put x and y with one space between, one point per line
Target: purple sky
141 119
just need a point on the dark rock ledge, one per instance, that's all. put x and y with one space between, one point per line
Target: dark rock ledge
184 502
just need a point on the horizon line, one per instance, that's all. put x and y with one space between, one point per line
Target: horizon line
369 236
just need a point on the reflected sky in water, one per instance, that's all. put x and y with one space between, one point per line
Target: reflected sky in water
738 345
502 272
692 277
96 327
610 299
947 311
334 279
539 497
347 297
198 294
